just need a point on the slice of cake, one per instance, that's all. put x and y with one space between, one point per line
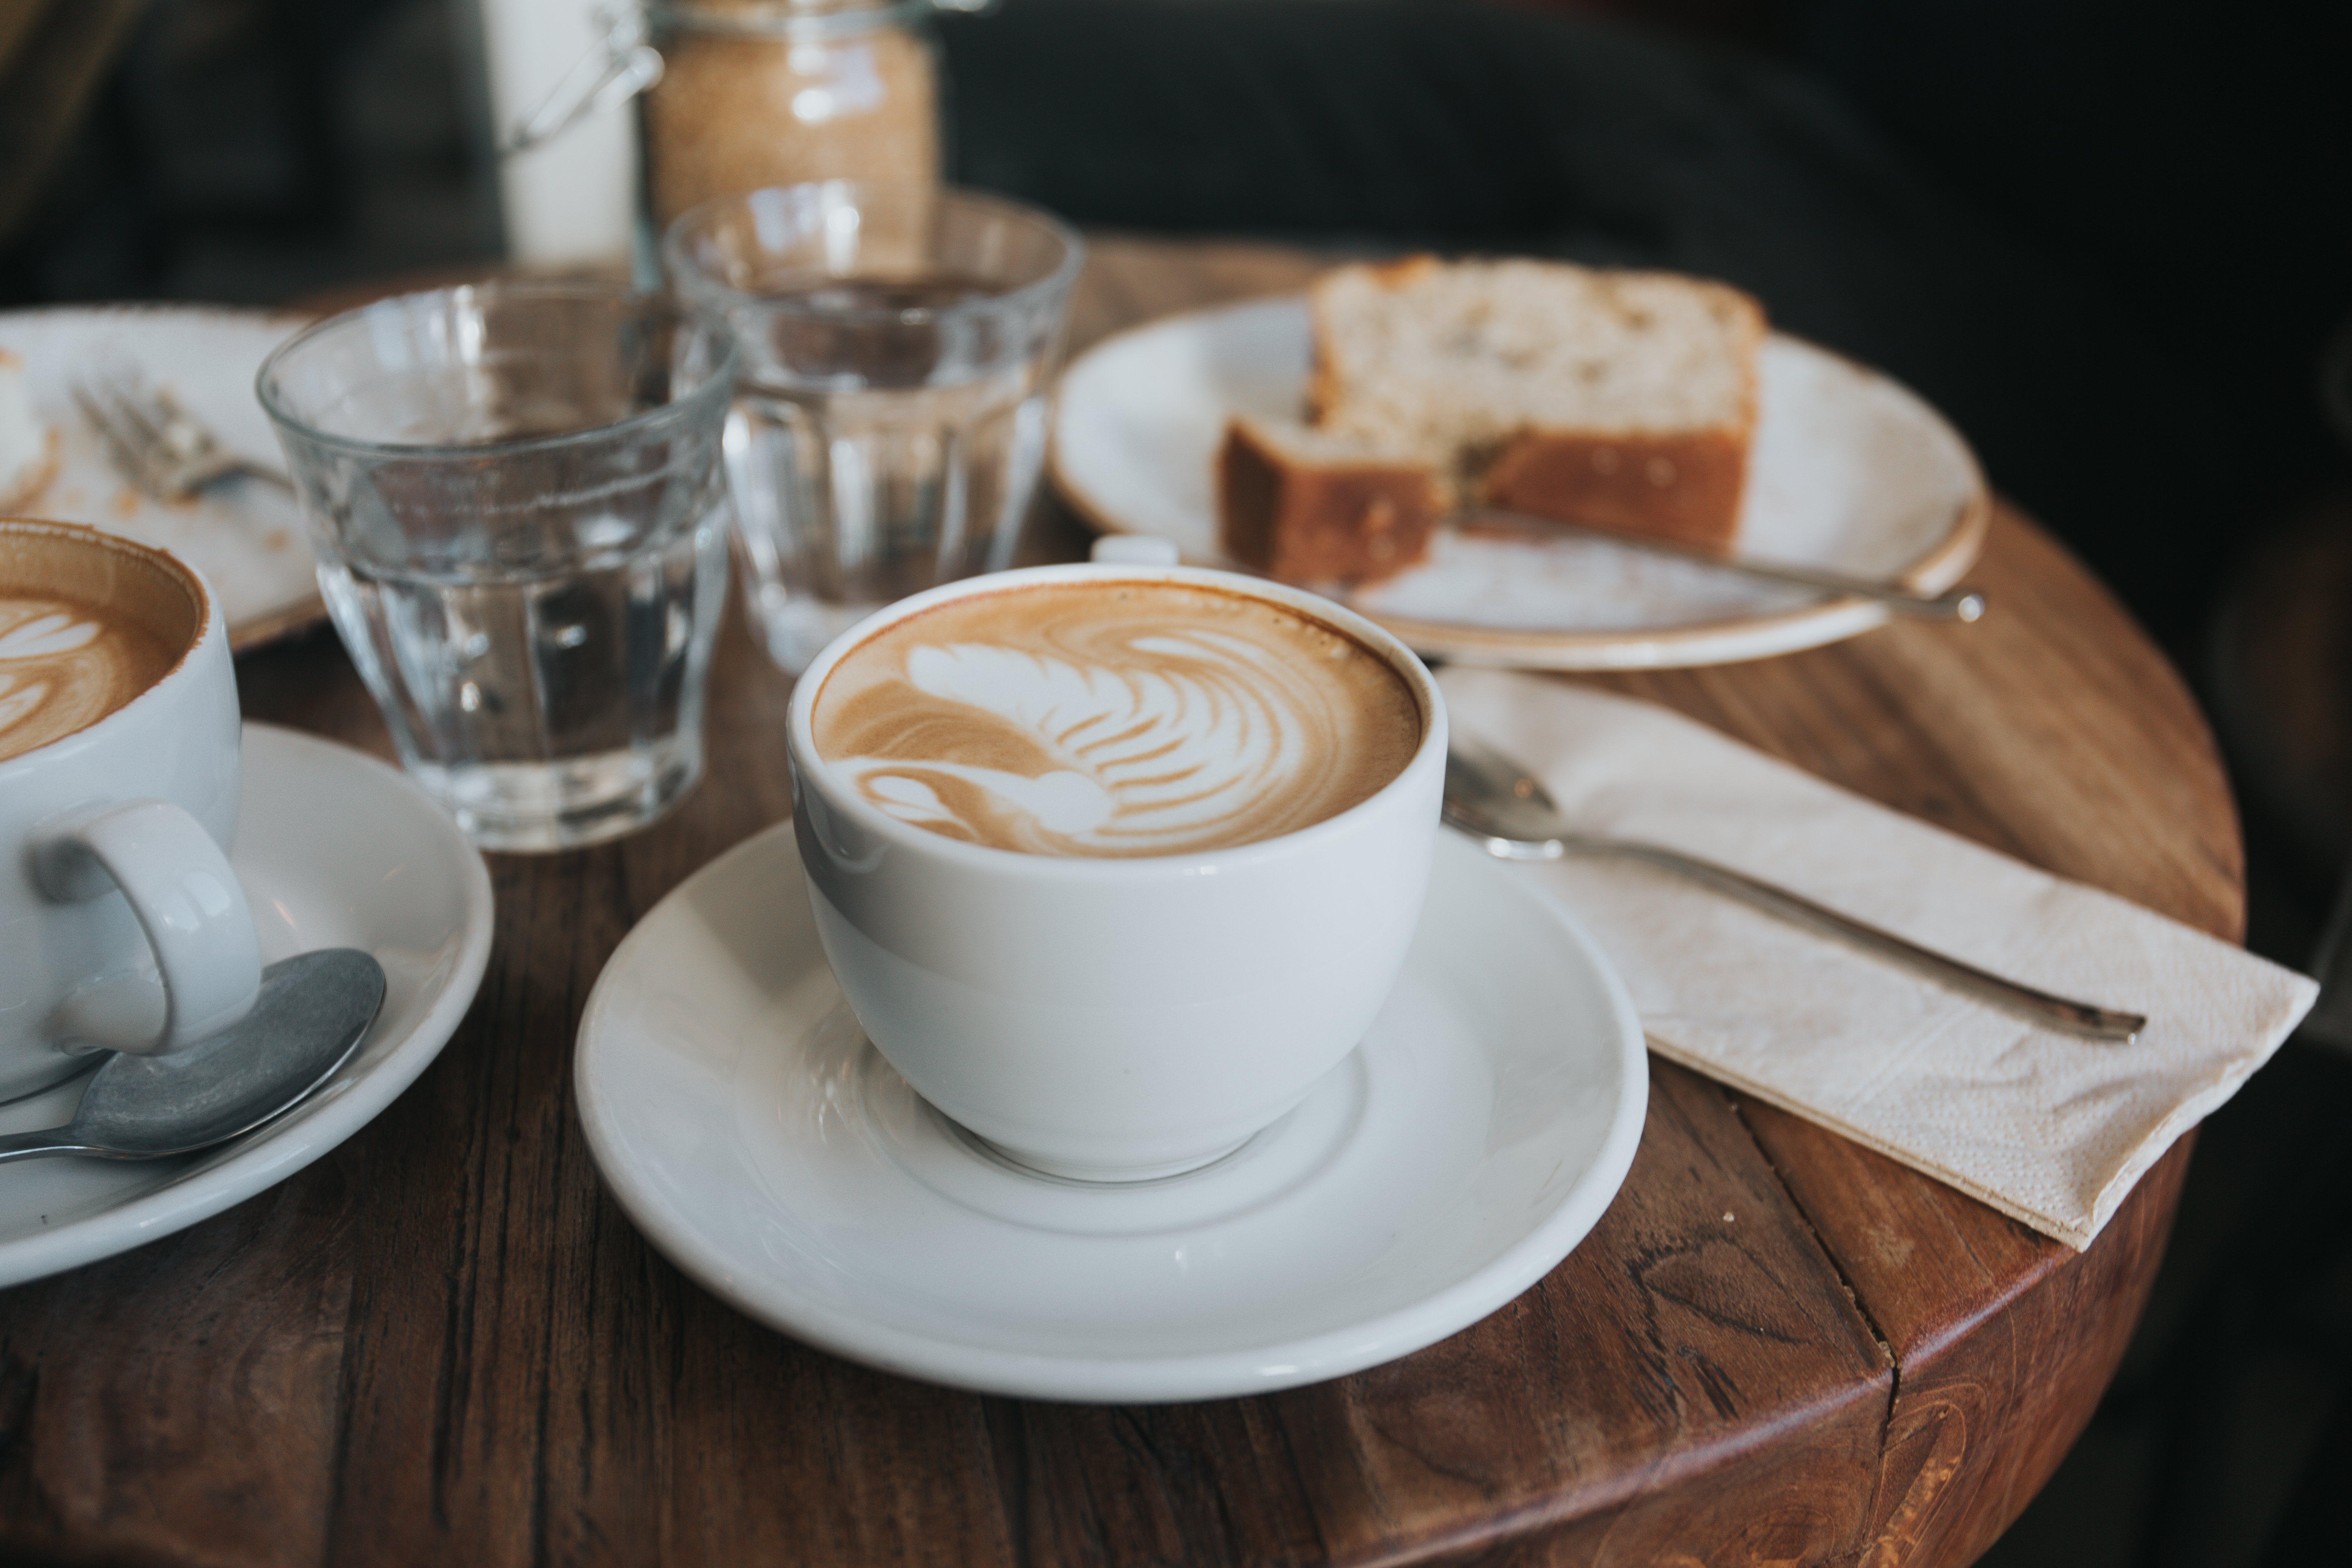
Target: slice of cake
28 448
1305 507
1624 400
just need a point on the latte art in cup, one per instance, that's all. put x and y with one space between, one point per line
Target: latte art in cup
1116 720
67 662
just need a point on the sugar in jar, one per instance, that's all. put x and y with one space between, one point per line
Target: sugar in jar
779 92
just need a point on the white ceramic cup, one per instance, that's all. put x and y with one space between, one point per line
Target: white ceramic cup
1117 1019
121 925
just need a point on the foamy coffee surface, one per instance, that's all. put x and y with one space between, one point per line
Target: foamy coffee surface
87 622
1114 718
64 666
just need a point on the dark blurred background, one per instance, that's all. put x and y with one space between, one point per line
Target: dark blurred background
2112 241
2109 240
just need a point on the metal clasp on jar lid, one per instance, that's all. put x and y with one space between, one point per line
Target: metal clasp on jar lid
626 62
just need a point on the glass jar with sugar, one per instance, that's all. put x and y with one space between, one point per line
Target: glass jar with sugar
780 92
737 95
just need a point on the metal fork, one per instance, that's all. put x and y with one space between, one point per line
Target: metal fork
158 446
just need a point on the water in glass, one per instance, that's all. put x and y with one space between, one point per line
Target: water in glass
544 700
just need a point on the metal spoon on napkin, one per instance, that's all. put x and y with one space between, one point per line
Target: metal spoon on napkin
1501 805
309 1017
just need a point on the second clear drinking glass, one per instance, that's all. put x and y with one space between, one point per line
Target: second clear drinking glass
889 420
521 526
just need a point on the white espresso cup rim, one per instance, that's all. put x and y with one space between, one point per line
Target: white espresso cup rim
842 800
206 604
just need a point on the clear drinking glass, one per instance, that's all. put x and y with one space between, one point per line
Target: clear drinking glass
521 518
890 421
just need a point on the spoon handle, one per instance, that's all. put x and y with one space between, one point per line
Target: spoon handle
1958 605
40 1141
2078 1017
2042 1006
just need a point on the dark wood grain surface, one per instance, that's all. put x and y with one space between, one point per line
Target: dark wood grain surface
444 1343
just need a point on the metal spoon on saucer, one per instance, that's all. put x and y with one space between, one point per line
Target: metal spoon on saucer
309 1017
1501 805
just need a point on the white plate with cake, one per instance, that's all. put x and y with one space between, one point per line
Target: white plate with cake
1287 436
246 535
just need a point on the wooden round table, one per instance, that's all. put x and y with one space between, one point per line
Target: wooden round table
444 1343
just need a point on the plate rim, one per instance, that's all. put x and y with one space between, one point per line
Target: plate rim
1724 641
282 1149
1140 1378
158 307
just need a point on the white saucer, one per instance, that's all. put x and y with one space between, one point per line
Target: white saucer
748 1129
1849 471
409 890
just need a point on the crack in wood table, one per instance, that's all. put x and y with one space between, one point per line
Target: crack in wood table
444 1343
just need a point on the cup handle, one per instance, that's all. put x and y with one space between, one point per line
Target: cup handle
187 901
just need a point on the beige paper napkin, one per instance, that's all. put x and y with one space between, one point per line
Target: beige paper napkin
2044 1126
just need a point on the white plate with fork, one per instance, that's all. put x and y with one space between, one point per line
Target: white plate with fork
244 535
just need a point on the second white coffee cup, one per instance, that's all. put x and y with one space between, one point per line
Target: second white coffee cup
122 925
1118 1019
